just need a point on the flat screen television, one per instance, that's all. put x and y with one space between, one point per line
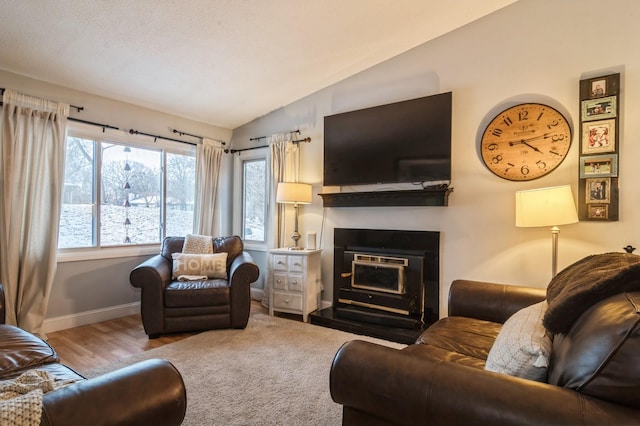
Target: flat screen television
408 141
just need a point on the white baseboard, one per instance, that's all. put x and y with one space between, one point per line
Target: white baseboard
89 317
257 293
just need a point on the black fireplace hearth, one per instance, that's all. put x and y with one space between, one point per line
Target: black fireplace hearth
385 283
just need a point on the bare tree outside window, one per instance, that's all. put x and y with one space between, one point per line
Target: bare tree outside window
181 177
254 200
131 197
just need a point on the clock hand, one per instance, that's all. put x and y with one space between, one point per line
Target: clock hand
526 142
532 147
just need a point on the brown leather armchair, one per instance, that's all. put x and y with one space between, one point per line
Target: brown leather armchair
171 306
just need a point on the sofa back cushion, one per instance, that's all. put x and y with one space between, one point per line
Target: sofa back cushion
231 245
598 356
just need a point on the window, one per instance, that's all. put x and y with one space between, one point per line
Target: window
252 194
254 180
145 190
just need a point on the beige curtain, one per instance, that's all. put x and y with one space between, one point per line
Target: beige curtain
32 161
206 212
284 160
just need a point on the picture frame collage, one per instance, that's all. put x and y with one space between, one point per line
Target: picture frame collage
599 148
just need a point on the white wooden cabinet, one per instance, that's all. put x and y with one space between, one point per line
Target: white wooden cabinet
295 281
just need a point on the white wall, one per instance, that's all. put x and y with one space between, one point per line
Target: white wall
533 50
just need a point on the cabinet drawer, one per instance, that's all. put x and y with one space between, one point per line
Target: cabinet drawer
287 301
280 281
294 282
296 263
280 262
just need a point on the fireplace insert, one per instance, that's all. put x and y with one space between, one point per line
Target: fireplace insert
385 283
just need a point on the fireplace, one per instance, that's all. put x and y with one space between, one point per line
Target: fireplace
385 283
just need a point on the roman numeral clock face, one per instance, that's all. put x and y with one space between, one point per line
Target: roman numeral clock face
525 142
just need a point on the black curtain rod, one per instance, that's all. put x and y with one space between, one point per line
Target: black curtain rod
233 151
104 126
78 108
135 132
196 136
264 137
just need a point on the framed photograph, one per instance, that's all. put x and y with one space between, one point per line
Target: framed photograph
599 87
599 136
599 166
598 211
598 109
598 190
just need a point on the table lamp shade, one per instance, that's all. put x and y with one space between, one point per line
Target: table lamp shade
545 207
292 192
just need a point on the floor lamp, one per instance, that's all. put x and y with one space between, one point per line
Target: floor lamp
552 206
294 193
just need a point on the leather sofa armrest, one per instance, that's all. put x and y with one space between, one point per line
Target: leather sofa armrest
147 393
242 272
490 301
386 385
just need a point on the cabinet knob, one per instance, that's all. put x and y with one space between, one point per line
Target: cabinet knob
280 262
279 281
286 300
298 264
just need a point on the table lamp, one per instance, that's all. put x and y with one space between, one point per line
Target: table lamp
294 193
552 206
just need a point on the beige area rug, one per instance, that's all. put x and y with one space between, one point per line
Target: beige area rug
274 372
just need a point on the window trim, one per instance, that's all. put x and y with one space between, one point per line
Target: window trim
94 133
238 186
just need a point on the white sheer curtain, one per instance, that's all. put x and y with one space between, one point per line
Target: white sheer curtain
31 180
207 219
285 160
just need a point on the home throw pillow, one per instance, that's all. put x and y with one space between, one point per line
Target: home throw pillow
587 282
522 347
211 265
197 244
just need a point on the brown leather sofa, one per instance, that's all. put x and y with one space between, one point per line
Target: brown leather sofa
441 380
171 306
146 393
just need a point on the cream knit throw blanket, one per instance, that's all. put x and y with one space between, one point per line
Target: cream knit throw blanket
21 398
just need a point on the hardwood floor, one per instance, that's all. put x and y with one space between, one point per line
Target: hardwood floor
89 346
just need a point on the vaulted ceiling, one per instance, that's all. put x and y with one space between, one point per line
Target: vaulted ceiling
222 62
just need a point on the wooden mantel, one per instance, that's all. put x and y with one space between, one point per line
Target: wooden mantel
432 196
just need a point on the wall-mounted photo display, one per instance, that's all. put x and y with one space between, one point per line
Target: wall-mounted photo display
598 186
599 166
599 109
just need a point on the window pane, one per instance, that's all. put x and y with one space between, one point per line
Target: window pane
130 192
254 200
181 177
76 219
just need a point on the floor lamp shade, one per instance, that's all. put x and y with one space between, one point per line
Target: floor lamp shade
545 207
552 206
294 193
